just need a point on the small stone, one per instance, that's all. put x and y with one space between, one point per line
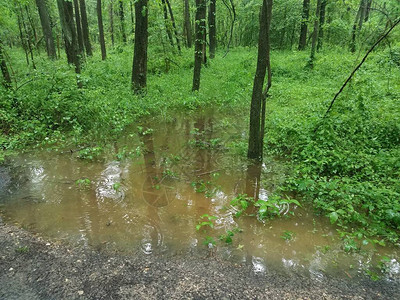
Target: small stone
47 244
80 293
11 269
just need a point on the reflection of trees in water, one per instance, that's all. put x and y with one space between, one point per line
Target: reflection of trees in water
253 177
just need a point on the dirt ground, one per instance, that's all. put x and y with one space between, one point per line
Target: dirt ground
32 267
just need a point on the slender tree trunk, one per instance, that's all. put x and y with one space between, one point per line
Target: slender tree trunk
200 26
85 28
33 28
4 68
257 110
78 28
187 25
166 22
139 68
46 27
101 30
29 40
212 27
122 20
111 16
174 25
315 34
368 10
358 20
304 20
66 13
321 24
132 17
23 41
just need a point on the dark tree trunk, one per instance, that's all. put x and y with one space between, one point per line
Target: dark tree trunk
28 38
315 34
139 68
4 69
354 30
111 16
23 41
187 25
257 110
132 17
85 28
101 30
200 26
122 20
166 22
66 12
46 27
304 20
212 28
368 10
321 24
33 28
78 28
174 25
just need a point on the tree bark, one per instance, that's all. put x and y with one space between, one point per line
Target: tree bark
122 20
85 28
4 68
46 27
23 41
132 17
212 28
174 25
66 13
111 16
28 37
304 20
139 68
257 110
200 26
187 25
315 34
101 30
166 22
354 30
321 24
78 28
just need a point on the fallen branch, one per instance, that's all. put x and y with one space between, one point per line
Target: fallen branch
360 64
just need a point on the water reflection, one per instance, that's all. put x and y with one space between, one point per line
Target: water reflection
151 203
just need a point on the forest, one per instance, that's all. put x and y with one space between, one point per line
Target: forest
296 100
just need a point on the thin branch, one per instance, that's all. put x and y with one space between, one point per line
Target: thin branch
359 65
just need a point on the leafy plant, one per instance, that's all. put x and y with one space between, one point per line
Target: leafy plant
209 221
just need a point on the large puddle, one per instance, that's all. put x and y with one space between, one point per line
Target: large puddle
149 193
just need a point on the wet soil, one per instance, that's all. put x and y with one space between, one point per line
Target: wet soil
32 267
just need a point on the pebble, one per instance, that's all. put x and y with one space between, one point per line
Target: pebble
80 293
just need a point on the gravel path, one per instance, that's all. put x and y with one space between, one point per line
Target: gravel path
35 268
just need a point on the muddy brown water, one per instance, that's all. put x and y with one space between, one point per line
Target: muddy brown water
148 193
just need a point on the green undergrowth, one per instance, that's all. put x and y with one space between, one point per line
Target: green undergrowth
347 164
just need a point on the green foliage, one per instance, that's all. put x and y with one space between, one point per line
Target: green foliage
23 249
288 235
83 182
209 221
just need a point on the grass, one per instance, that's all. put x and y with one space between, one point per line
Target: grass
347 165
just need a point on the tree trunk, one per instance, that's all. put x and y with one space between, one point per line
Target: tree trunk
23 41
111 15
101 30
212 28
257 110
187 25
4 69
78 28
66 13
354 30
28 37
28 14
85 28
368 10
139 68
174 25
166 22
132 17
200 26
304 20
315 34
122 20
46 27
321 24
